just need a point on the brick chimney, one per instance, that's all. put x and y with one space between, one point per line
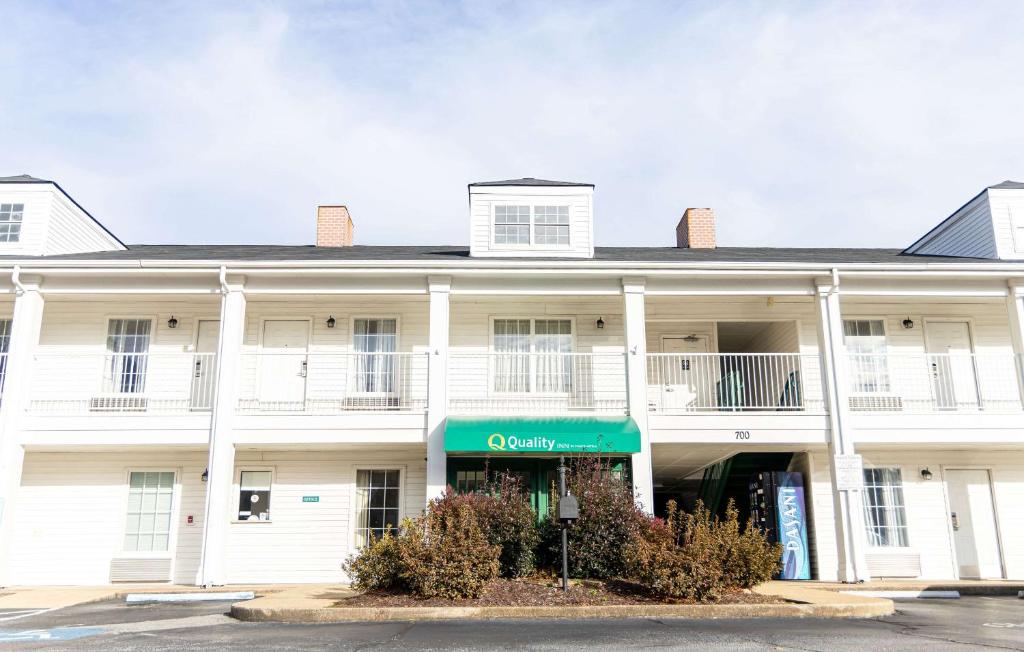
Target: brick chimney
696 230
333 226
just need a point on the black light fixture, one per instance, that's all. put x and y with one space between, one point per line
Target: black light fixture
908 323
331 322
600 322
926 473
172 322
206 475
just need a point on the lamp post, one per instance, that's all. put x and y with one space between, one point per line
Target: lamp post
568 511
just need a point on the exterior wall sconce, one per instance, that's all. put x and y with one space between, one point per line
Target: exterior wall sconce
331 322
908 323
206 475
172 322
600 322
926 474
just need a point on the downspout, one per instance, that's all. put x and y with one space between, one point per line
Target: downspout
19 289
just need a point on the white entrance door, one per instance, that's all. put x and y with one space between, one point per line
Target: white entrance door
687 381
951 365
974 523
204 364
283 364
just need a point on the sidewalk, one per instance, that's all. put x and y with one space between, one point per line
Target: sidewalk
313 604
56 597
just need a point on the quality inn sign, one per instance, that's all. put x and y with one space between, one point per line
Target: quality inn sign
556 436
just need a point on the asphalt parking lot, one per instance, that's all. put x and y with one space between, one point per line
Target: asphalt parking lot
993 622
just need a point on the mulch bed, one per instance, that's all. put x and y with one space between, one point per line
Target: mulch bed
541 592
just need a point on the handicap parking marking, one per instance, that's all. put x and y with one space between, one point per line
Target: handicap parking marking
55 634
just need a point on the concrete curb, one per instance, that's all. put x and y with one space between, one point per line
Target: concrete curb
862 608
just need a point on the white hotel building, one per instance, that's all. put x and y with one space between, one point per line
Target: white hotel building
239 414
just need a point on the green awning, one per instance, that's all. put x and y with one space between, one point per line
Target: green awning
554 435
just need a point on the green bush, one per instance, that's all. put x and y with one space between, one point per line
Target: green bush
695 557
378 566
446 553
509 522
609 520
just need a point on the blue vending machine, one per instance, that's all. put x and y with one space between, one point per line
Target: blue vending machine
777 507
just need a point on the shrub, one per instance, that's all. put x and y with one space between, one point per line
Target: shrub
509 522
378 566
609 520
446 553
695 557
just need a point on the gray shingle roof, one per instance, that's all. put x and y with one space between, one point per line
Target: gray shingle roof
1008 185
23 178
530 181
457 254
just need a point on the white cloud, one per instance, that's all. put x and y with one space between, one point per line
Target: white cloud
802 124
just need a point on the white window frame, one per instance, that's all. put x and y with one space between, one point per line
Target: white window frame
531 227
20 222
238 492
532 391
153 326
905 527
534 226
172 534
884 372
354 498
352 382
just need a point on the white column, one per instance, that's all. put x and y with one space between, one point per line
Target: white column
221 463
25 326
636 386
1015 311
437 389
851 539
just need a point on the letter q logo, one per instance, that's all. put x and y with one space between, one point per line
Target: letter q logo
496 442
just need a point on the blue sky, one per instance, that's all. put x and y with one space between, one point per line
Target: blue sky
802 124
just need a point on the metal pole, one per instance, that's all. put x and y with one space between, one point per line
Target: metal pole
565 531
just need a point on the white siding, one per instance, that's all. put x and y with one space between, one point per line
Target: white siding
71 511
308 542
581 219
927 512
52 224
1007 208
968 232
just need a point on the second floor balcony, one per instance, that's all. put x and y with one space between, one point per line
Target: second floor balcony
934 383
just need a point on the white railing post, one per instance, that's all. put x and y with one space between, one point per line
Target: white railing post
437 384
221 460
26 323
633 294
851 540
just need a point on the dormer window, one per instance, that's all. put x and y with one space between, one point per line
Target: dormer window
525 225
10 222
512 225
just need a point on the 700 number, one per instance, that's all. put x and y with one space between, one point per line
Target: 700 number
743 434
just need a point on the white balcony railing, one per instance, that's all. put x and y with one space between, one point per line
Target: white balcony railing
73 384
332 383
536 383
680 383
945 382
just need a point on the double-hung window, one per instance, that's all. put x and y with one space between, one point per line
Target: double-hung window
5 344
128 355
865 344
551 225
10 222
254 496
533 355
884 507
378 492
526 225
512 225
375 342
150 499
